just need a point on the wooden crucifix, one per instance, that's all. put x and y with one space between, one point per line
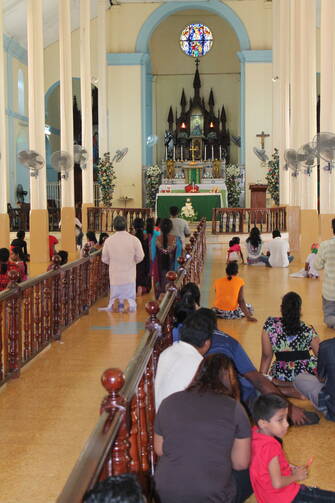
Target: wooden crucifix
262 136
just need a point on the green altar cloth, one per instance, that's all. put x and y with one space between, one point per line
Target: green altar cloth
202 202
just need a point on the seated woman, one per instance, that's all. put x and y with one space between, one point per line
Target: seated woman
229 298
102 238
165 250
15 259
5 267
143 278
202 434
291 340
254 248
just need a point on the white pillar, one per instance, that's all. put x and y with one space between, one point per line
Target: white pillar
281 89
86 99
66 110
303 94
102 84
38 192
3 128
327 115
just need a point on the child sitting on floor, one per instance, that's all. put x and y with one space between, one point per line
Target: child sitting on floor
234 251
273 479
309 267
229 299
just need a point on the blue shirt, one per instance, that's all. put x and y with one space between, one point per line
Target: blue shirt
224 343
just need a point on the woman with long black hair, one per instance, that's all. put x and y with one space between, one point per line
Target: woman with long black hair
254 245
290 340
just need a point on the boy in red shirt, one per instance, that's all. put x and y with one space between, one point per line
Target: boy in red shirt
273 479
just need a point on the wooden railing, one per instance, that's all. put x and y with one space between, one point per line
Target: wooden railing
101 219
122 440
241 220
34 313
19 219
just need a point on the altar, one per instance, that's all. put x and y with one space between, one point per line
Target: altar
202 202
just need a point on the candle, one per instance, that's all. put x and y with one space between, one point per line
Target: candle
166 153
220 152
212 152
205 152
181 153
174 153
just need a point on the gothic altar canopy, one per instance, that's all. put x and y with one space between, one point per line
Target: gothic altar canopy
197 141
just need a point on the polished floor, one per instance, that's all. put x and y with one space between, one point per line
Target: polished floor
47 414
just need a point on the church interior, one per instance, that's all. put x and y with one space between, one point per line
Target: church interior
129 107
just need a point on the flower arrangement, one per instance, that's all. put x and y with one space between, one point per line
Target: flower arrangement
232 179
188 212
272 176
153 176
106 178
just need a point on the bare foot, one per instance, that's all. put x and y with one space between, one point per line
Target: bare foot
115 306
126 306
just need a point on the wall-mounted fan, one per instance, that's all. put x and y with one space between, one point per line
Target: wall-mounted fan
307 157
236 140
325 147
20 193
292 162
32 160
61 162
80 156
261 154
119 155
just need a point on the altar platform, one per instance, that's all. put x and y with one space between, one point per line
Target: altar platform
202 202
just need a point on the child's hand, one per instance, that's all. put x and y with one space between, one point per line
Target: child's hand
300 473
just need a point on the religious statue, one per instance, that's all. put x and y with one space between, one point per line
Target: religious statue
169 144
216 169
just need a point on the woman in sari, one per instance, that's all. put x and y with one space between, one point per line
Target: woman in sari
165 250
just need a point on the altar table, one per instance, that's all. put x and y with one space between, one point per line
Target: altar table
202 202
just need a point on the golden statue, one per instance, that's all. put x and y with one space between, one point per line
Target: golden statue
170 168
216 169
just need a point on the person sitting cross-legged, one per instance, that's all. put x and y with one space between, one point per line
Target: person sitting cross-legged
278 251
252 382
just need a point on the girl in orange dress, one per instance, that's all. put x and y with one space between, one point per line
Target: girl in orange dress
229 298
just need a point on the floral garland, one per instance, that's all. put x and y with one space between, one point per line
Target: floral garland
153 176
232 179
106 177
188 212
272 176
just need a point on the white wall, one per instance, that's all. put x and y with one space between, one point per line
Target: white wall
258 118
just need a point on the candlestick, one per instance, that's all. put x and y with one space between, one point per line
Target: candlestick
220 152
212 152
205 152
166 153
181 151
174 153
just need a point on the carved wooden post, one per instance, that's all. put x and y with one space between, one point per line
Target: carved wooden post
144 438
181 269
171 277
152 323
149 381
118 460
14 324
134 437
56 298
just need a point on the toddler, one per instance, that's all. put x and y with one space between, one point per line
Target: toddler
273 479
309 265
234 251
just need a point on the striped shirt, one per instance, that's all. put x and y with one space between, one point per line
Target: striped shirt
325 259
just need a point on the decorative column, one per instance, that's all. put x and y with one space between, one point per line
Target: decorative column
66 127
102 72
86 107
39 221
327 115
303 113
281 90
4 218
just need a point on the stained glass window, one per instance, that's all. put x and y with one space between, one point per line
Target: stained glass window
196 40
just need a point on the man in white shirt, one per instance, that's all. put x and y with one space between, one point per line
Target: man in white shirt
178 363
122 252
278 251
179 225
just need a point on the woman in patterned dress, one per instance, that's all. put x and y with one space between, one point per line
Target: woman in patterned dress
290 340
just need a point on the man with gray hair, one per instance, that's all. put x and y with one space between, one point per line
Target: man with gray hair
122 252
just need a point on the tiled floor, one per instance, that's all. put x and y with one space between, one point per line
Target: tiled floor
47 414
